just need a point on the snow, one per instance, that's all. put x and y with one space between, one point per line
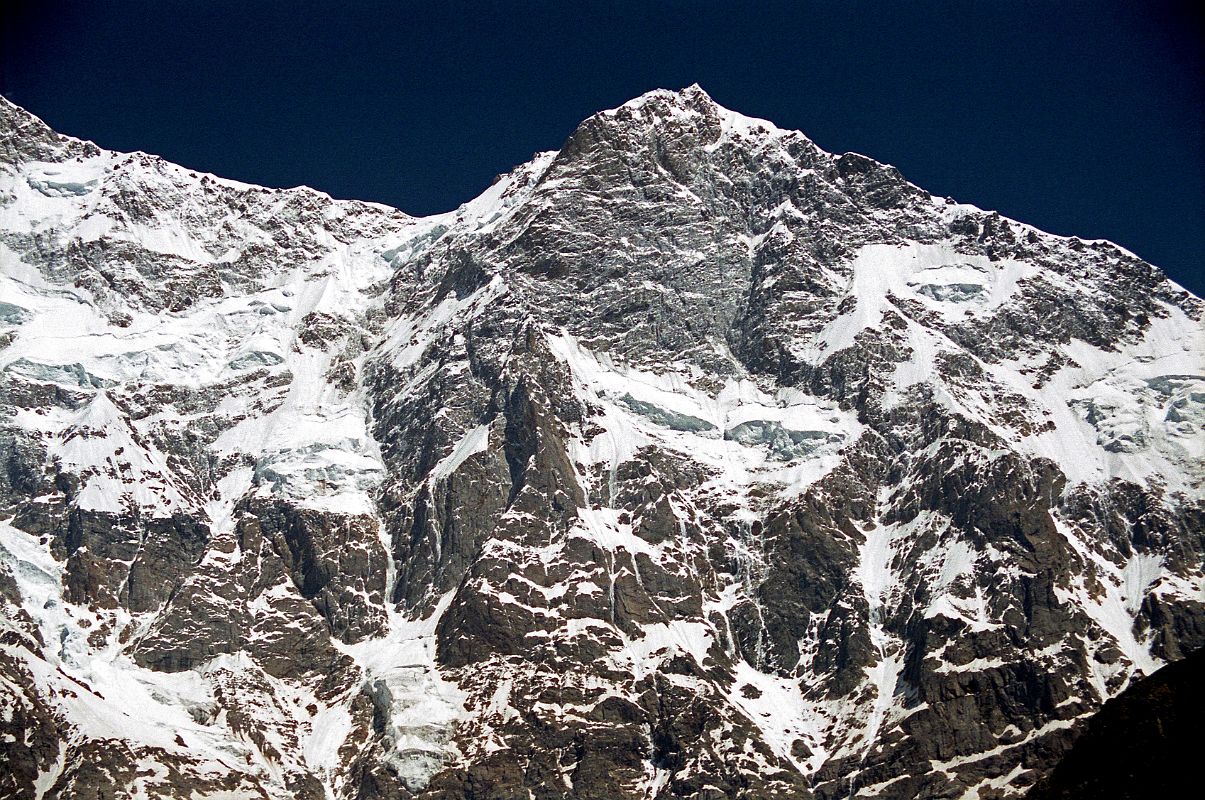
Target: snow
99 442
474 442
780 713
493 207
1123 590
112 697
602 526
952 765
101 690
314 447
641 656
67 178
951 566
879 584
950 283
629 397
1141 571
1135 413
680 105
409 337
424 706
308 441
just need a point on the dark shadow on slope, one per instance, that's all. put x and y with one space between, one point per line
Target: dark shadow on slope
1143 743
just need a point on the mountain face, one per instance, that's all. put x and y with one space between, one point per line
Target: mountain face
689 461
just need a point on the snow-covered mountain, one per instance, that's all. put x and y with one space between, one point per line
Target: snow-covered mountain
689 461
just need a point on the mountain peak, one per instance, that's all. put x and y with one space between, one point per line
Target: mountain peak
687 121
689 95
681 104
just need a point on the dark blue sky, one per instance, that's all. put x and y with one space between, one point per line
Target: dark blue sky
1081 118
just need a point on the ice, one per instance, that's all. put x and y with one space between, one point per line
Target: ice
1135 413
70 374
784 444
950 292
67 178
420 706
315 446
256 359
669 419
12 314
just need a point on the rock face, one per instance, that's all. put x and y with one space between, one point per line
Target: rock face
689 461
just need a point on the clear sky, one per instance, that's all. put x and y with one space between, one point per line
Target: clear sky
1082 118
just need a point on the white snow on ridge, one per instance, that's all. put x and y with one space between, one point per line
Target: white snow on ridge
101 445
308 440
778 709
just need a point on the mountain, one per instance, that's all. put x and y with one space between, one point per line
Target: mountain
689 461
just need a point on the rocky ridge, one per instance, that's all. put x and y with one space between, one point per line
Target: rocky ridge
688 461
